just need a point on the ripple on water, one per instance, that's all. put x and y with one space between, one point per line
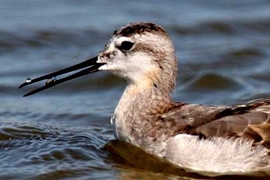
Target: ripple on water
35 38
212 88
47 150
213 82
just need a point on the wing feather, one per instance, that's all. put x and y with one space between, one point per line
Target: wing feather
250 121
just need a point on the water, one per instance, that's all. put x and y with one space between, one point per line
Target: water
224 58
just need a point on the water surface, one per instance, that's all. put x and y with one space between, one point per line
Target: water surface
224 58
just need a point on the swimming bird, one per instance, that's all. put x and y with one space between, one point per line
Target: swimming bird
220 139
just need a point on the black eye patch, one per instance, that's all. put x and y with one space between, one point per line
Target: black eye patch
125 46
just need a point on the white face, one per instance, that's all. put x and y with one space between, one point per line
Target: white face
125 58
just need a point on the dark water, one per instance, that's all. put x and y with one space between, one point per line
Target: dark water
224 58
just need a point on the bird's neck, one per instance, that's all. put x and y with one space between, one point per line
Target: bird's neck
138 105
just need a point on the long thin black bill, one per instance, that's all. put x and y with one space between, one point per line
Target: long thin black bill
90 66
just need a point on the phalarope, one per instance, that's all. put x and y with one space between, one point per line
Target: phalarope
221 139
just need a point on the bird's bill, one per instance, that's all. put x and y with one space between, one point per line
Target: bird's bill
86 67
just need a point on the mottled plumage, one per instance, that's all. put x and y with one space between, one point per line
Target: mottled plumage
218 139
147 117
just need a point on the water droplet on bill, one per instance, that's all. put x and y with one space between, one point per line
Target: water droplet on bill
28 80
49 81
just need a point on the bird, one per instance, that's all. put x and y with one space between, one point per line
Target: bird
212 138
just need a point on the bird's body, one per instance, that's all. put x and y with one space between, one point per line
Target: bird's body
221 139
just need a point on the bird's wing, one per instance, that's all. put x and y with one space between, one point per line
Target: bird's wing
249 121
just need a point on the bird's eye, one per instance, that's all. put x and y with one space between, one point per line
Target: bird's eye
125 46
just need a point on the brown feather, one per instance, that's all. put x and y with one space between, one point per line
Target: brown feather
249 121
234 126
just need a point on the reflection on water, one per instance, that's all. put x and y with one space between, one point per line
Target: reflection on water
223 49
